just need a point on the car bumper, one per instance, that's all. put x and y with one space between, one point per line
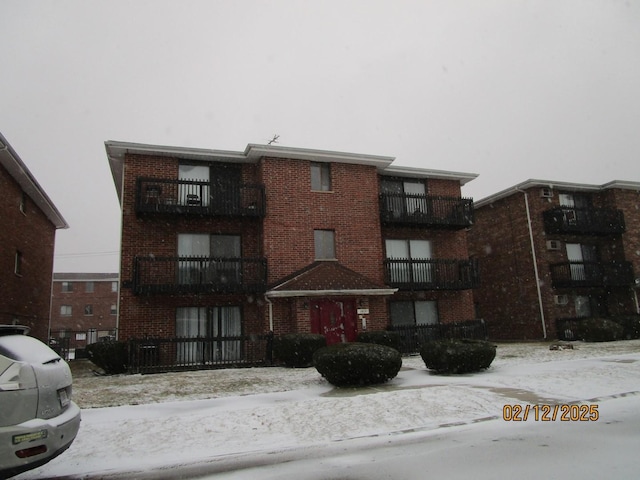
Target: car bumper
43 440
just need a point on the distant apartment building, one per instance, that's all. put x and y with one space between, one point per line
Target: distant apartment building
28 224
552 253
223 244
84 307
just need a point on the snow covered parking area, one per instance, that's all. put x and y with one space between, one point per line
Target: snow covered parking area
216 418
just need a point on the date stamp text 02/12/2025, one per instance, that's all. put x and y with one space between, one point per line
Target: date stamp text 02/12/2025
550 413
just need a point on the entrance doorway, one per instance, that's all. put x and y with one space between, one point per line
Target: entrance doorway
335 319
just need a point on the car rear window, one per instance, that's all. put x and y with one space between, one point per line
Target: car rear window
26 349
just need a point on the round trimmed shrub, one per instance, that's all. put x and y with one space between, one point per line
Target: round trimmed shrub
296 350
599 330
457 356
380 337
357 364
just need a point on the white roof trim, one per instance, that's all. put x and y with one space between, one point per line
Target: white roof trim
567 186
330 293
10 160
428 173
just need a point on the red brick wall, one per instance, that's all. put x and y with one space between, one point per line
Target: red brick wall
26 297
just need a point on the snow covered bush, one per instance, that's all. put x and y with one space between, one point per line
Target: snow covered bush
380 337
457 356
109 356
599 330
357 364
296 349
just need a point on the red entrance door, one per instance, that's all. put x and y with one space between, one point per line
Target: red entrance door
335 319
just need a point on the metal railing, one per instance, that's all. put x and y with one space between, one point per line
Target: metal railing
154 275
431 274
426 210
155 195
592 274
591 221
412 337
153 355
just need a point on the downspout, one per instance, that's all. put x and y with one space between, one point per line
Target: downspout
266 299
535 263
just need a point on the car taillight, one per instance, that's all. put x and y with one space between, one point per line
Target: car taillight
10 378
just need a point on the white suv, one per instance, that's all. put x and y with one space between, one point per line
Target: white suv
38 420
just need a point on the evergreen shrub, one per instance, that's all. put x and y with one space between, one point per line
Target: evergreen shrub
599 330
357 364
380 337
296 350
457 356
110 356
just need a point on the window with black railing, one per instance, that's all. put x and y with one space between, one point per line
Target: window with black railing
593 221
426 210
592 274
431 274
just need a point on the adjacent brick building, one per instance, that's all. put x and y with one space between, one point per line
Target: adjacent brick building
286 240
84 307
551 253
28 224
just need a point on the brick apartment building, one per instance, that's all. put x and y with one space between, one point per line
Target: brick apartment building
28 224
286 240
84 307
551 253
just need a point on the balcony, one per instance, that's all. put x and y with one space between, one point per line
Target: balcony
584 221
592 274
440 274
418 210
182 275
155 196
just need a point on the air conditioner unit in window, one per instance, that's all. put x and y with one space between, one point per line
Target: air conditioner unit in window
561 299
554 245
546 192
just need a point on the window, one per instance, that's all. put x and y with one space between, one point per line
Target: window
89 287
81 337
18 263
321 176
67 286
324 242
193 189
404 196
88 309
23 203
216 322
208 258
114 309
65 310
409 261
114 287
414 313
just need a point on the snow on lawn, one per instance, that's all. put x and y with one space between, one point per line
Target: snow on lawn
177 418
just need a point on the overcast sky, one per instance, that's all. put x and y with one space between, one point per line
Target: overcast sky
510 90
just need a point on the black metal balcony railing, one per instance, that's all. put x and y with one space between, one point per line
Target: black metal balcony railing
154 275
426 210
592 274
155 195
430 274
590 221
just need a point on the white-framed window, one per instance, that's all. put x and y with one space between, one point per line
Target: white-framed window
67 287
89 287
321 176
409 260
194 190
420 312
209 258
325 244
114 309
81 337
114 287
88 309
66 310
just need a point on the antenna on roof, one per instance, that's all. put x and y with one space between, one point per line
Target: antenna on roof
274 139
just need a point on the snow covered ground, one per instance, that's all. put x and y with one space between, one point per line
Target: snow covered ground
221 420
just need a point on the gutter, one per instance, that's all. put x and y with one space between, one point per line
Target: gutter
535 263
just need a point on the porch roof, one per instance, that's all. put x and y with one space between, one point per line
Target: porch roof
326 278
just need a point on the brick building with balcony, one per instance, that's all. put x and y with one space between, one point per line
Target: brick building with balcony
552 253
224 244
28 224
84 308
